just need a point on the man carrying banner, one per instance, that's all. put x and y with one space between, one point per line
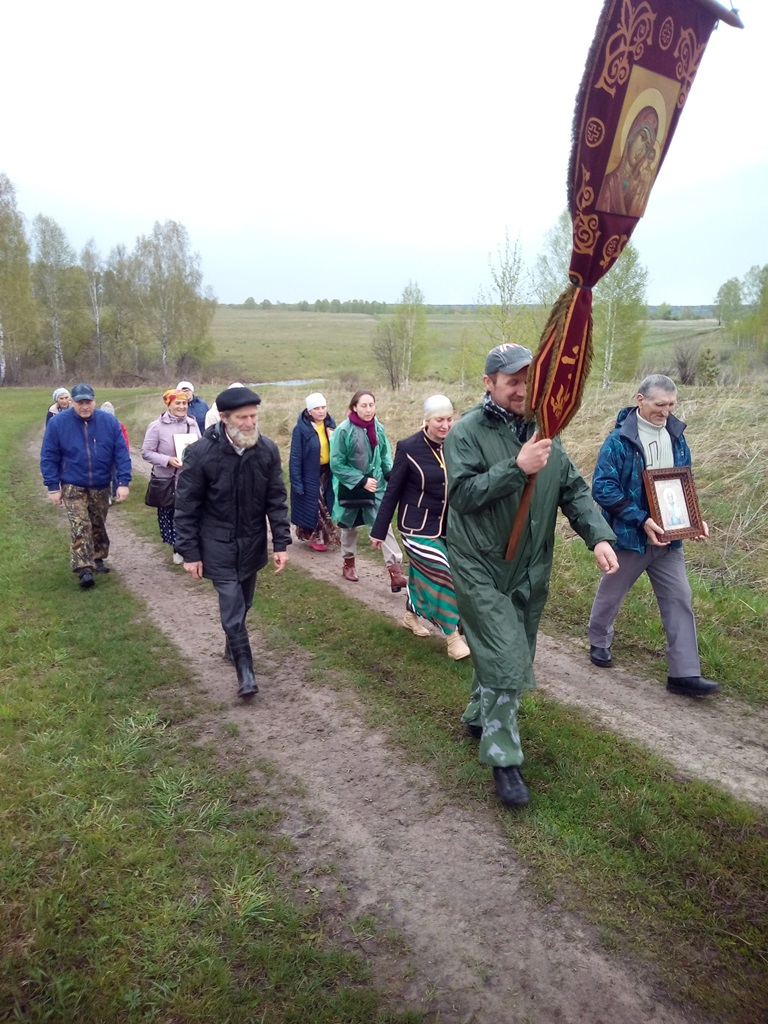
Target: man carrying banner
489 455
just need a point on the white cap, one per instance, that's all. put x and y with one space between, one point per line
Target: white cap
185 385
437 405
315 399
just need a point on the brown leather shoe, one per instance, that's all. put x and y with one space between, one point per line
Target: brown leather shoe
396 579
348 570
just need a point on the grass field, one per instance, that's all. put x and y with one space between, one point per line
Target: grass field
269 345
137 886
726 431
102 781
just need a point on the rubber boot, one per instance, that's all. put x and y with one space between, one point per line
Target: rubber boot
227 651
240 646
348 571
396 579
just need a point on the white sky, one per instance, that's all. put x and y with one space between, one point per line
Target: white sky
338 150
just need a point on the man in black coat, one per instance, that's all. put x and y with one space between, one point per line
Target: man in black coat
230 486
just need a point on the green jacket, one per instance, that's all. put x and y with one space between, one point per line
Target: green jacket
352 460
501 602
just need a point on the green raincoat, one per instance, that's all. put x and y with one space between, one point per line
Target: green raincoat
501 602
352 460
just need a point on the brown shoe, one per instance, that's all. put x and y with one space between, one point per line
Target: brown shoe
396 579
348 570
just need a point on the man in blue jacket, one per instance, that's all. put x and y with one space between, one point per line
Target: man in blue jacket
195 406
80 447
647 436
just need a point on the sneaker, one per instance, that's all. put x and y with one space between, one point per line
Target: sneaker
99 565
177 558
86 579
414 623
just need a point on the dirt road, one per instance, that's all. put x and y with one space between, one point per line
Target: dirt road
472 945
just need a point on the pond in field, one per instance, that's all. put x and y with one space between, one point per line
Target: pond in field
286 383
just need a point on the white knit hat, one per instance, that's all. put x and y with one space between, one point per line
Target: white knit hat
59 392
437 405
315 399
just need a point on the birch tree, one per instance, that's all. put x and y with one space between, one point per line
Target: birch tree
58 286
16 307
619 312
91 262
169 290
504 314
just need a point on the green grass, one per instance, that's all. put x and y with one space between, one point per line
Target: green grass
136 883
659 864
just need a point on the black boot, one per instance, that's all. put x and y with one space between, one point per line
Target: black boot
510 786
227 652
240 646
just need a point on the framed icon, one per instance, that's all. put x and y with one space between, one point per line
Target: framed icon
673 502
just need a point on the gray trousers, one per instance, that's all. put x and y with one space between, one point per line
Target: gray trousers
389 546
235 599
666 570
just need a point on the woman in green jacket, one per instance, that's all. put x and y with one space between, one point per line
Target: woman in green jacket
361 461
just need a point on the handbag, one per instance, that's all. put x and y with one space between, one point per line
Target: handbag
355 497
161 491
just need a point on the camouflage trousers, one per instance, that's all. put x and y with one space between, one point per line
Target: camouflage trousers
496 712
87 513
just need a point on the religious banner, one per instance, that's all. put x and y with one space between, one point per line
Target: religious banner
638 76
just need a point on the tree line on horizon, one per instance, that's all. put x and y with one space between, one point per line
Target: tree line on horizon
140 312
123 316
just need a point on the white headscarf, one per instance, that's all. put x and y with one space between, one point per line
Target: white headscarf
437 405
314 400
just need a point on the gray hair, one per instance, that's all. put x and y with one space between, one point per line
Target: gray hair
656 382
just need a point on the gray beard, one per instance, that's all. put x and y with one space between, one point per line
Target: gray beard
240 438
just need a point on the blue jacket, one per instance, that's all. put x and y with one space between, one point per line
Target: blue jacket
617 483
82 452
304 472
198 408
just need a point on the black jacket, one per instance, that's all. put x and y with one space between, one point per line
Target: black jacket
417 484
223 502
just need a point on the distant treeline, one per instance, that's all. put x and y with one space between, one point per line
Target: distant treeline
664 311
366 306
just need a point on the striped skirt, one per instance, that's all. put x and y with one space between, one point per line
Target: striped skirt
430 585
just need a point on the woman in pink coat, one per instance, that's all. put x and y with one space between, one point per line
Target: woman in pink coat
161 450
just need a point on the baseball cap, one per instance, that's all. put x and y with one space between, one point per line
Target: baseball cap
507 358
82 393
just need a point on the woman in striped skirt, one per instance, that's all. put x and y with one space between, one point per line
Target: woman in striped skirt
417 487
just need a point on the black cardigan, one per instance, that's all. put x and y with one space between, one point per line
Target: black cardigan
417 485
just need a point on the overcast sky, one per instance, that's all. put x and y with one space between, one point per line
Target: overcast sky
338 150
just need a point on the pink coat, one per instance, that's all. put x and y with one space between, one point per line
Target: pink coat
158 446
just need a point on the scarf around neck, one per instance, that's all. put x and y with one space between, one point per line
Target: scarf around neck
516 424
369 426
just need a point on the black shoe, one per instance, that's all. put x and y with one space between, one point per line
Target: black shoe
86 579
100 567
601 656
510 786
692 686
475 731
